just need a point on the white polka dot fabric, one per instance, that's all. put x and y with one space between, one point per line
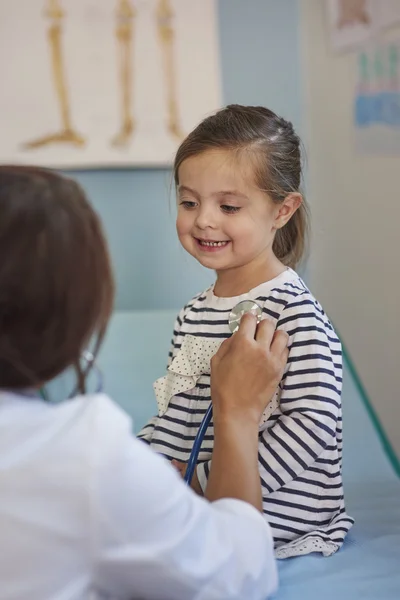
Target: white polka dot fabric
271 408
192 361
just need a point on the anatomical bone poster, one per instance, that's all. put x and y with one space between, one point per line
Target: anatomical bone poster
103 83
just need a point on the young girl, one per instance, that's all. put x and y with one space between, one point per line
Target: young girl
240 212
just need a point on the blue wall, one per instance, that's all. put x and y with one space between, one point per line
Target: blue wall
260 65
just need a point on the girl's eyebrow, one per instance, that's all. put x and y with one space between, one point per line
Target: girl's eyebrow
222 193
232 193
185 188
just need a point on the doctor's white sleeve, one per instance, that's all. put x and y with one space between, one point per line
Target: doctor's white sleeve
155 539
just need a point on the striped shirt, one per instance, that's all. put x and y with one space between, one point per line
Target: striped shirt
300 445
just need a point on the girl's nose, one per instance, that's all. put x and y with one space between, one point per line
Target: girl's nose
206 217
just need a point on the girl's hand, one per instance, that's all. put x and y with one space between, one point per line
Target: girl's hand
181 467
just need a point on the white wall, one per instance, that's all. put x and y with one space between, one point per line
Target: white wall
355 263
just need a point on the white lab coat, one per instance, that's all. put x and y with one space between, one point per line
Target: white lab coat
88 511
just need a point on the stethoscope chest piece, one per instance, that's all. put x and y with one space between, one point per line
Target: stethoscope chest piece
242 308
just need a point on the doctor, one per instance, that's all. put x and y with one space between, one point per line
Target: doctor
86 510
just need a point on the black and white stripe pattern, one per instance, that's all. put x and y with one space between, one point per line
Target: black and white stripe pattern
300 448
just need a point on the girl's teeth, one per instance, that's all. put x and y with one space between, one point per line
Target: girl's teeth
213 243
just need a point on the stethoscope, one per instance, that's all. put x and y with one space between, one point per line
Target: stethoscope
89 366
235 316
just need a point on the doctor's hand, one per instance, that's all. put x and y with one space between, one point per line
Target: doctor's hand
245 373
247 369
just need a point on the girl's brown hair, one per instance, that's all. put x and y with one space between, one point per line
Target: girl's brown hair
56 283
274 147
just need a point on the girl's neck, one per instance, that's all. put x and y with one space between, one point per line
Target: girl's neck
240 280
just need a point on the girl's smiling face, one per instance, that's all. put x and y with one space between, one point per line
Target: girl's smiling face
224 220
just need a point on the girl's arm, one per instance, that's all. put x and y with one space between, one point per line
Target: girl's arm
311 397
310 401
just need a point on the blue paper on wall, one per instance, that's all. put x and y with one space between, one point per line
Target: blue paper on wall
377 99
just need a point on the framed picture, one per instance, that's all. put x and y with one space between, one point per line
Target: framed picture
104 83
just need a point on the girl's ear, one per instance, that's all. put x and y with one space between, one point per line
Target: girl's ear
287 209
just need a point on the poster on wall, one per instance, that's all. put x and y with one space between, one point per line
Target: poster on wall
377 99
104 83
352 23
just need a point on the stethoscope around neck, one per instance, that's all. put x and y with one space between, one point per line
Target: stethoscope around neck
235 316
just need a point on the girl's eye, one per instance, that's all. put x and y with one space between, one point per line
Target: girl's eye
230 210
188 204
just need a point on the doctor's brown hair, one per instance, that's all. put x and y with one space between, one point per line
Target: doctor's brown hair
56 283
